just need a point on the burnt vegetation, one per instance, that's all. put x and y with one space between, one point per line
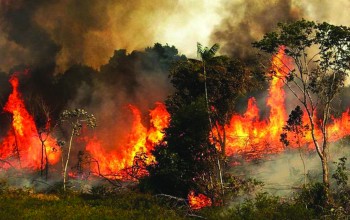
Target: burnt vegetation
201 95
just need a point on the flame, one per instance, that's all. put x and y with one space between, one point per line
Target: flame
198 201
247 134
139 140
253 137
22 146
159 120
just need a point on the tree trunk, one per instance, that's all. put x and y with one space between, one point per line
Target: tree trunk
67 160
17 150
206 95
325 171
46 164
42 157
323 154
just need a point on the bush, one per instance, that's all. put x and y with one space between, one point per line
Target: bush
264 206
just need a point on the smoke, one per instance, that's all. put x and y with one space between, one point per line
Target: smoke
71 31
139 78
244 22
27 40
283 173
247 21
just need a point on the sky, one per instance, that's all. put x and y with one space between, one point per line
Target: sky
88 32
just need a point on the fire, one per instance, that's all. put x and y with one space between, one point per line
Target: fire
198 201
252 137
22 147
140 140
159 120
247 133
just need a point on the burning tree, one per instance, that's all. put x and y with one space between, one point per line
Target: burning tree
22 138
75 119
321 57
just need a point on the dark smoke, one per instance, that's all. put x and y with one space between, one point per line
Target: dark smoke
19 27
247 21
69 32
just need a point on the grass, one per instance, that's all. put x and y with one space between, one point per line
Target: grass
130 204
19 204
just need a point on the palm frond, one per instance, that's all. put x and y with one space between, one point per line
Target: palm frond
212 51
200 50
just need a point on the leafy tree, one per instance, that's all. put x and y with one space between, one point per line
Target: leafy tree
206 54
200 107
75 120
124 69
184 159
226 79
320 55
296 128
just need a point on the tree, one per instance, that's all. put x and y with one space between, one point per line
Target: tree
75 120
185 157
206 54
320 56
224 79
296 128
44 131
209 109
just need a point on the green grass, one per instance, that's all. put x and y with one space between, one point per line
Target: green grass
23 205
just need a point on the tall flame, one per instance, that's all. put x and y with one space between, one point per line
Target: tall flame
140 140
253 137
22 147
247 133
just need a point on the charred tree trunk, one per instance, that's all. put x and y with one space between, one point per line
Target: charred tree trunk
17 149
42 158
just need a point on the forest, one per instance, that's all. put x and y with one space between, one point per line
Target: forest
258 132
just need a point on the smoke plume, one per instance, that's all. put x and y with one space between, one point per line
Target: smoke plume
244 22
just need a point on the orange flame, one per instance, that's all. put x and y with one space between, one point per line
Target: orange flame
198 201
140 140
252 137
247 133
22 140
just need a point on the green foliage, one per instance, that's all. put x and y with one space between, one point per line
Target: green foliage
204 96
319 50
342 191
295 127
207 53
123 68
3 186
340 174
237 186
264 206
226 78
313 196
184 159
24 205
